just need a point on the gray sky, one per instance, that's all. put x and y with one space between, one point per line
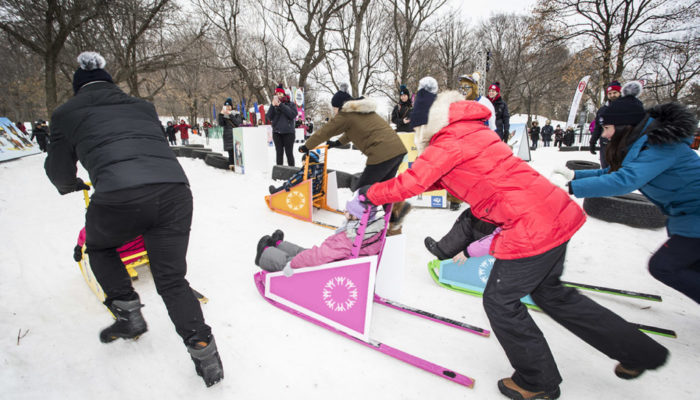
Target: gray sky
478 10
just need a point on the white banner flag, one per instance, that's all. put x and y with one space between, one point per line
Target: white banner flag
577 99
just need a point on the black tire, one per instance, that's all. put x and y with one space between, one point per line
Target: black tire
202 153
185 151
283 172
581 164
195 146
216 160
630 209
569 148
177 152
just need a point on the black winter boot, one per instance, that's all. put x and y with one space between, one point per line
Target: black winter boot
130 323
277 236
433 248
265 241
206 360
511 390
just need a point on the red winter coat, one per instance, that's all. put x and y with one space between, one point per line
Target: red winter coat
183 130
474 165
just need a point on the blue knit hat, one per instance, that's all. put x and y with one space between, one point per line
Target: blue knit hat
90 69
425 96
228 102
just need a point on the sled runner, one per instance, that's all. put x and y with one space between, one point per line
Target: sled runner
300 199
133 254
339 297
471 278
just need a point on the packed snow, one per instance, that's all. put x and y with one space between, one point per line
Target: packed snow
50 320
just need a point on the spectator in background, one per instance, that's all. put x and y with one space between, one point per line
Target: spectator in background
229 119
534 132
170 132
547 132
502 115
21 127
41 133
612 93
184 135
558 136
401 115
281 115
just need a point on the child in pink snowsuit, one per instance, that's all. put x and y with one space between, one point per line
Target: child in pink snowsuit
275 254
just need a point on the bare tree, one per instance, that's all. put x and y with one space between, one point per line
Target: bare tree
669 69
618 28
43 27
409 19
456 44
311 21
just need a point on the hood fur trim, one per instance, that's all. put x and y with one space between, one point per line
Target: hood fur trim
438 118
363 105
673 123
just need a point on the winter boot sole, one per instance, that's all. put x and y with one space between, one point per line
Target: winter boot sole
110 337
516 395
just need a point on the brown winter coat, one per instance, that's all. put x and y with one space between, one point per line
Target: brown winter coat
361 125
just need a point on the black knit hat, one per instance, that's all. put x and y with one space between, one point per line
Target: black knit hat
228 102
90 69
341 96
404 90
425 96
627 110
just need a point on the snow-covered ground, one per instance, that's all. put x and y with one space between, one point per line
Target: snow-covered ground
270 354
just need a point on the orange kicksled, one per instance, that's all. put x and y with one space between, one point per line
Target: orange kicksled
312 187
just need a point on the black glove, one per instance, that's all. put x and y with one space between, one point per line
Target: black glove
303 149
80 185
362 195
333 143
78 253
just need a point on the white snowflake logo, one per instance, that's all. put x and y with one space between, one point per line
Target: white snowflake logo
295 200
340 294
485 269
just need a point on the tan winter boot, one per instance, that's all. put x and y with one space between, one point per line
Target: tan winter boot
627 373
511 389
398 212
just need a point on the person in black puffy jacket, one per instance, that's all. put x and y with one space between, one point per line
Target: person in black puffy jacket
502 115
140 189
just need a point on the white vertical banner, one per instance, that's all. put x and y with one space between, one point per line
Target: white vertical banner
577 99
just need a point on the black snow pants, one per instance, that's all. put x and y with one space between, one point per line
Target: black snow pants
162 213
284 144
523 342
381 172
677 264
465 230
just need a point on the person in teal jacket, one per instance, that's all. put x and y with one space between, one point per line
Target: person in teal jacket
650 152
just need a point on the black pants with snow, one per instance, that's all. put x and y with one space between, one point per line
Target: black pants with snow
677 264
379 172
465 230
284 143
162 214
523 342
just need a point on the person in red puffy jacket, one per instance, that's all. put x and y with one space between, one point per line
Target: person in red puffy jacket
537 220
184 135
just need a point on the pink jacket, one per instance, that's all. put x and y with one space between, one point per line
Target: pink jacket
336 247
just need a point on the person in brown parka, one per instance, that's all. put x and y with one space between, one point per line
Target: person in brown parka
358 123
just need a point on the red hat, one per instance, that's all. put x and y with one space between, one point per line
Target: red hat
614 85
496 86
279 89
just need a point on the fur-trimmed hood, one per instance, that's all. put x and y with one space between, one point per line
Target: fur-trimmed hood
673 123
444 111
361 105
